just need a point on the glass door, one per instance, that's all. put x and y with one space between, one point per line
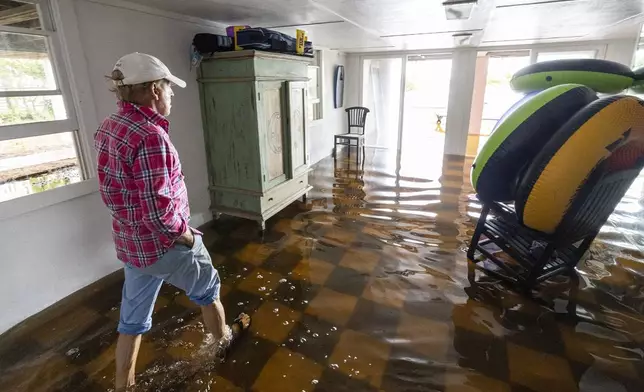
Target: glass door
381 94
493 95
427 84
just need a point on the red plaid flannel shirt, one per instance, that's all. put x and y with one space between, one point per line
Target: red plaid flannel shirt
141 182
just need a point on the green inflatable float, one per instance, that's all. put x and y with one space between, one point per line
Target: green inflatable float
520 135
638 85
603 76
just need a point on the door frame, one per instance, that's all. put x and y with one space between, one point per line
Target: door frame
600 48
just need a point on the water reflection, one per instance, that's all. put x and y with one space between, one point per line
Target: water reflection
367 288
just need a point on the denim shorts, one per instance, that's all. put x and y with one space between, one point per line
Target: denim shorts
189 269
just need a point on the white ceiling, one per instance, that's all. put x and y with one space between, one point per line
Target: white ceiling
377 25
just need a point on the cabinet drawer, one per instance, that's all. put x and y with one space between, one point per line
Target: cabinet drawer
278 68
252 65
283 192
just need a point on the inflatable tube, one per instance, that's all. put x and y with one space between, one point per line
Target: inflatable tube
602 76
520 135
561 168
513 108
638 85
639 73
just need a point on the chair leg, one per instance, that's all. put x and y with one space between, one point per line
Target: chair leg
536 269
349 152
477 232
583 248
358 148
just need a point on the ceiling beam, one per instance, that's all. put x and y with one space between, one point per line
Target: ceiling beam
15 15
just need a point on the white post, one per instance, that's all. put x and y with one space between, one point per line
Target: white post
460 101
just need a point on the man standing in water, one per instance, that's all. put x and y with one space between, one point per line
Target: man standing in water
141 182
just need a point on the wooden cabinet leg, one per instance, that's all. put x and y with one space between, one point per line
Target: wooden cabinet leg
262 226
304 198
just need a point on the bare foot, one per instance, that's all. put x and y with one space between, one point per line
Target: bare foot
240 325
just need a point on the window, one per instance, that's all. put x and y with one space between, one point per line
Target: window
577 54
315 87
499 96
638 62
38 127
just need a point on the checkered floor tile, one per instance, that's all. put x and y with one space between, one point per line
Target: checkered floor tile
365 288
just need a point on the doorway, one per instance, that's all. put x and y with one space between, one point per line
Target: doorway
427 82
408 96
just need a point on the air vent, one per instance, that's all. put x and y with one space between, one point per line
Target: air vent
462 39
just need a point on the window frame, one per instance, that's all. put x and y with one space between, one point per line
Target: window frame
59 27
318 63
599 50
48 32
639 46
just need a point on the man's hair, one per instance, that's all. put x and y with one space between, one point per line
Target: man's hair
133 93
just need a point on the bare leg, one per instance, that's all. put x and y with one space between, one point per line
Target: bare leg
214 317
127 349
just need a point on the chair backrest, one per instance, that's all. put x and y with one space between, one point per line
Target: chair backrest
357 118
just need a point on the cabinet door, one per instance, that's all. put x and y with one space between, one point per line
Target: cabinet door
272 126
298 130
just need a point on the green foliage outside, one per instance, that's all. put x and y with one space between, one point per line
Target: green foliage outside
43 183
14 74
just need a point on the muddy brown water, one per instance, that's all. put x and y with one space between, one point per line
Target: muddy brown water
364 288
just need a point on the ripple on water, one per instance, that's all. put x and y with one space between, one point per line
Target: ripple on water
393 233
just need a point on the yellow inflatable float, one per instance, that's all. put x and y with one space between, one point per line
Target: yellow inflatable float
541 164
564 164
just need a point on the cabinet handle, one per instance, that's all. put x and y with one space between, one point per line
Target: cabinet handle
271 199
302 182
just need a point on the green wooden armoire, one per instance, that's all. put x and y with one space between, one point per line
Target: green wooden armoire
254 109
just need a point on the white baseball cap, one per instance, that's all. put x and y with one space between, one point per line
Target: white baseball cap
142 68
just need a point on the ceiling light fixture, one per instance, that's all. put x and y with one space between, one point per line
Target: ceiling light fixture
462 39
458 9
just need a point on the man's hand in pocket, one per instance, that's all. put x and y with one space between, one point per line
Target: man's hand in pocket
187 239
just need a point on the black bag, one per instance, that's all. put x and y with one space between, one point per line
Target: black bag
206 43
265 39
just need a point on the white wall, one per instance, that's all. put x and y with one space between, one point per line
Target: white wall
50 253
622 51
352 82
333 120
108 33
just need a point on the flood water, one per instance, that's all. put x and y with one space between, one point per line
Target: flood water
366 288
